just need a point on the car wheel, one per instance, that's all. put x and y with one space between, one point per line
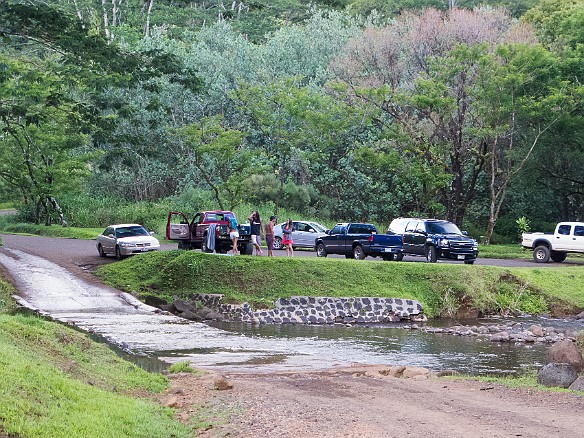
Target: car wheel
389 257
358 253
247 249
558 256
541 254
277 243
100 250
204 247
118 253
431 254
469 262
399 257
321 250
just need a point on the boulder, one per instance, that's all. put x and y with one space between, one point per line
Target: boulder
566 351
578 384
222 384
580 315
214 316
500 337
187 314
557 374
168 307
181 306
537 330
411 372
394 371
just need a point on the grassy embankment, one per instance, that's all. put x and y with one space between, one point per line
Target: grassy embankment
56 382
441 288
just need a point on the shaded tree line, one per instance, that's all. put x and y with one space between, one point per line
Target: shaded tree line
467 114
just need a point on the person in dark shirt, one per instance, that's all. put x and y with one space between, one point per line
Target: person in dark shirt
256 231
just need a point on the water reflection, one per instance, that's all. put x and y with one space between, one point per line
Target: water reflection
396 345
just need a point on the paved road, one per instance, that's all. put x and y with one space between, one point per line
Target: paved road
83 254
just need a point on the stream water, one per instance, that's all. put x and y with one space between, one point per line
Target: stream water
301 346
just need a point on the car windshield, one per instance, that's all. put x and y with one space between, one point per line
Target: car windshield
442 228
318 227
131 232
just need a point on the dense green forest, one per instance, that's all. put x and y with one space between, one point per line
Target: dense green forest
366 110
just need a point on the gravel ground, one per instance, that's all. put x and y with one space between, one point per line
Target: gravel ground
360 402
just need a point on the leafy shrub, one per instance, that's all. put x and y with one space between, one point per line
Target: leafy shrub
184 366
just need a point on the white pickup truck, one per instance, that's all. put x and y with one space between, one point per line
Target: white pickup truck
568 237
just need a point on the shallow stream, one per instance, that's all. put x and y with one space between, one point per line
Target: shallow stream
302 346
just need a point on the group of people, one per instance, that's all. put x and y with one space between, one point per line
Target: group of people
257 230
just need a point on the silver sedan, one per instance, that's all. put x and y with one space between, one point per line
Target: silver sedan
303 236
125 239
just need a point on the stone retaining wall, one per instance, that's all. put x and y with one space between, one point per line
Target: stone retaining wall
319 310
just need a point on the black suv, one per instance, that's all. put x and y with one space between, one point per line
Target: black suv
434 239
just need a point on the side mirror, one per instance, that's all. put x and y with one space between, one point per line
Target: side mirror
110 235
151 233
465 233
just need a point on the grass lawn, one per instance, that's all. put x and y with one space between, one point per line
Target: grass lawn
441 288
56 382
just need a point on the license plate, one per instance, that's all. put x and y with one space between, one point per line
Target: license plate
387 249
460 257
144 249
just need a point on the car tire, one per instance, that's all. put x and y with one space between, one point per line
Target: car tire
358 253
321 250
388 257
541 254
118 253
399 257
558 256
469 262
247 249
431 254
277 243
100 250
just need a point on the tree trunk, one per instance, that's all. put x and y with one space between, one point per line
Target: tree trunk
147 25
105 20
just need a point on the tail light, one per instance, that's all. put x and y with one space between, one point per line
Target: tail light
217 231
370 238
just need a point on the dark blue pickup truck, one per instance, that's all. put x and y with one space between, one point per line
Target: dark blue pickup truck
358 241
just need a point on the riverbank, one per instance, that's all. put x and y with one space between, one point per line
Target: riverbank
443 289
56 382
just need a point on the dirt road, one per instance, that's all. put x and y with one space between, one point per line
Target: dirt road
347 402
362 403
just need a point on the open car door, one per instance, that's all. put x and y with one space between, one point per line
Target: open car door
177 226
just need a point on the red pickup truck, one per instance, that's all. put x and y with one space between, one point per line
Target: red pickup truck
194 234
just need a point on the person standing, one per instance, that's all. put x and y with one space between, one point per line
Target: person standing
256 231
233 234
270 235
287 237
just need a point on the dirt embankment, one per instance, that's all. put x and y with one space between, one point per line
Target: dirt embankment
361 402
